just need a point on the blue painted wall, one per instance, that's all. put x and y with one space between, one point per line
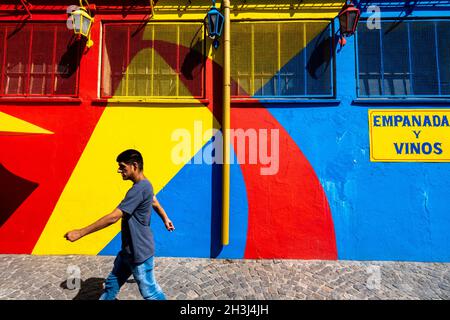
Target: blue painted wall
381 211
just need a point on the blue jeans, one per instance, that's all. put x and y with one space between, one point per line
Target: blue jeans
142 273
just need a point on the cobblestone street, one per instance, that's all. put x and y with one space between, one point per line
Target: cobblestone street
46 277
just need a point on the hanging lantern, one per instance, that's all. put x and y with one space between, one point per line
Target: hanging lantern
215 21
82 24
348 19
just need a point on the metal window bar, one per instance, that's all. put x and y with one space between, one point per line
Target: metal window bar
53 67
152 71
252 68
305 61
127 62
278 92
28 75
436 42
177 84
411 78
381 61
358 84
5 45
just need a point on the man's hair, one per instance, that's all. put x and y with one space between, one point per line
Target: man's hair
129 156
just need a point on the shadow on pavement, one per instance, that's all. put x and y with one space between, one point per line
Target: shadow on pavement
90 289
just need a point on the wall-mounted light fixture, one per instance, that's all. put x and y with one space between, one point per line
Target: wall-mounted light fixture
348 21
215 21
82 22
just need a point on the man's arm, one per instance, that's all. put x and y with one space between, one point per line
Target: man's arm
162 214
101 223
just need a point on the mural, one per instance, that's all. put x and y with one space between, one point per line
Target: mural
326 200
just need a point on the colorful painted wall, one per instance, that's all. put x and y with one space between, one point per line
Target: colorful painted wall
326 201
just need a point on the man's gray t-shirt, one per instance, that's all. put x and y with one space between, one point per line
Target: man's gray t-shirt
137 237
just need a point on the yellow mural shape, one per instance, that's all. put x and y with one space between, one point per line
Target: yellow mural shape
13 125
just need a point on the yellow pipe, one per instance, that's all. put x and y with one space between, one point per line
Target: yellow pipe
226 125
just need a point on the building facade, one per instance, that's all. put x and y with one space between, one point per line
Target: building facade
339 151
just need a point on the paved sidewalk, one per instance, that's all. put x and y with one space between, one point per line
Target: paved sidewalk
45 277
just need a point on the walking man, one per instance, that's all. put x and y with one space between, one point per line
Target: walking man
136 256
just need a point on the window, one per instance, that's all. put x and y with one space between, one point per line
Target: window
404 59
37 60
282 59
156 60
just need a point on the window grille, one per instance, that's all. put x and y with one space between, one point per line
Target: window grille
282 59
404 59
160 60
38 59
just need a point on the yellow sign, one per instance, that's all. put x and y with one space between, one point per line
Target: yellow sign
421 135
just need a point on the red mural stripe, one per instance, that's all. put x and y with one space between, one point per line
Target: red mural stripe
289 215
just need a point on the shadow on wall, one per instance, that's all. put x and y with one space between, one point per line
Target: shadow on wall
14 191
321 55
194 58
216 246
70 60
407 6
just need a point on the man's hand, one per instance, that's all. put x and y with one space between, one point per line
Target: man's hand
169 225
73 235
162 214
101 223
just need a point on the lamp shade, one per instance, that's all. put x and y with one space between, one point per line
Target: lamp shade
82 22
215 22
348 19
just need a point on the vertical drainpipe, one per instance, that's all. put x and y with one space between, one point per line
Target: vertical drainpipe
226 126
